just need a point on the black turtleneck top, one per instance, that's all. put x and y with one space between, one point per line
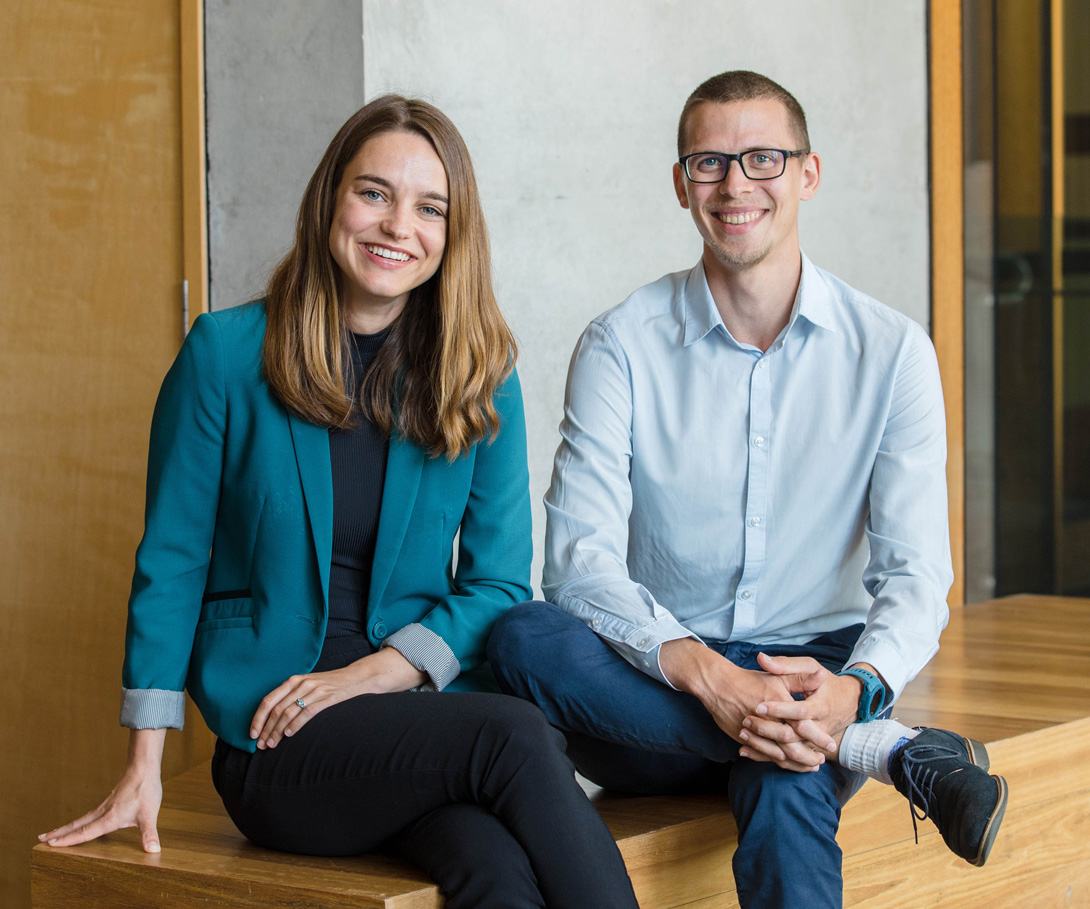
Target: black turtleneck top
358 460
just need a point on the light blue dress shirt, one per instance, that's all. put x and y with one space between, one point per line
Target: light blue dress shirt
704 488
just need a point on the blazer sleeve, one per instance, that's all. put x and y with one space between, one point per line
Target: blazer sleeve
495 546
185 465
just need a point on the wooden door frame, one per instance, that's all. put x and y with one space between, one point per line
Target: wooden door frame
948 255
194 169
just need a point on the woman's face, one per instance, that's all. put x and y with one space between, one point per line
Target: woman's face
389 226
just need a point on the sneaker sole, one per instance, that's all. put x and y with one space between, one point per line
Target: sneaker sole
992 827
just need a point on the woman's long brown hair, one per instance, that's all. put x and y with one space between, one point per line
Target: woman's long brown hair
448 351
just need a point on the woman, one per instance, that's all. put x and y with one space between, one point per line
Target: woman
313 457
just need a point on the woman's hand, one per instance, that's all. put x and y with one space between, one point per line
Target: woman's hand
134 801
288 707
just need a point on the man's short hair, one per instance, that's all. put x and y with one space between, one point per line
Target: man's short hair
743 85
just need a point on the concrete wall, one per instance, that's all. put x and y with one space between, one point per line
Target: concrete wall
539 88
281 77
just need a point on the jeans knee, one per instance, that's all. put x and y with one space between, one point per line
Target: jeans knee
509 646
767 796
517 623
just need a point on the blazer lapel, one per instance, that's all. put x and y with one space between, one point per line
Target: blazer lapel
316 475
403 468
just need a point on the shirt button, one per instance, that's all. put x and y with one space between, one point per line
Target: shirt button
642 642
746 594
755 521
596 622
762 364
380 630
759 441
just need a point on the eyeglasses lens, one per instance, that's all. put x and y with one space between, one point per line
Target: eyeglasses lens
759 164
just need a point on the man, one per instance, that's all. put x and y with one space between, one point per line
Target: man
749 497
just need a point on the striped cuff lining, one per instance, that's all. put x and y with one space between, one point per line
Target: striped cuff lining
152 708
427 652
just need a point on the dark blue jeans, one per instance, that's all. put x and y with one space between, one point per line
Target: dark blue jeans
630 733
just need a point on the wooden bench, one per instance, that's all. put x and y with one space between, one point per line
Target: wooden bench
1014 673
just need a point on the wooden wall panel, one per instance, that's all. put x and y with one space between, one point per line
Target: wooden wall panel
948 258
90 234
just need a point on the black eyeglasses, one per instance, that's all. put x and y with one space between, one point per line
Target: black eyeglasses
758 164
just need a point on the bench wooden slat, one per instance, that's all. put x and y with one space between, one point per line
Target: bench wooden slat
1014 673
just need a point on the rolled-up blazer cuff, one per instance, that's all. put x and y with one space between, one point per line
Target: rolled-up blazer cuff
152 708
427 652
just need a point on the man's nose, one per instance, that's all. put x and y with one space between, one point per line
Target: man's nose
736 180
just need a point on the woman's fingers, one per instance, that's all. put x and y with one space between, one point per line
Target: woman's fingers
77 825
72 825
289 716
133 802
265 709
81 834
297 701
149 834
107 818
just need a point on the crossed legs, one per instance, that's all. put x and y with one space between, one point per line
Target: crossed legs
629 732
475 787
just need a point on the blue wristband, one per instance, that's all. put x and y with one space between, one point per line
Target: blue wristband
873 698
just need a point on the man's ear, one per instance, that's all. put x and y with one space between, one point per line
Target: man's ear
679 186
811 176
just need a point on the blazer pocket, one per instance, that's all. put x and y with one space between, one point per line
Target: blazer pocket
228 609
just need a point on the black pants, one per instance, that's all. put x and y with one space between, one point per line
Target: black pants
474 788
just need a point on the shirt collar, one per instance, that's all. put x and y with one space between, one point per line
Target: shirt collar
697 306
813 302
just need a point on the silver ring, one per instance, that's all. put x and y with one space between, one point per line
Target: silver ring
300 703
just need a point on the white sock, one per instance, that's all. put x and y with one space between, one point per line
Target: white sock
867 747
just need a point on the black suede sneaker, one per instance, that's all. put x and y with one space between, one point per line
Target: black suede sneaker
946 777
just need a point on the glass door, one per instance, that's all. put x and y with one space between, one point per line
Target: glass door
1027 297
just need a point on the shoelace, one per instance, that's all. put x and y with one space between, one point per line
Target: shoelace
915 760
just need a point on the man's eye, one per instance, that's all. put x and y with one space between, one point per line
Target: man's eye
709 163
762 159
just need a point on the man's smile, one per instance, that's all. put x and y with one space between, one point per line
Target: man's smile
746 217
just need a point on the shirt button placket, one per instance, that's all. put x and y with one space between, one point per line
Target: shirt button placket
760 421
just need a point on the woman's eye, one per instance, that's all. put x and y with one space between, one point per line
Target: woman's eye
431 211
373 194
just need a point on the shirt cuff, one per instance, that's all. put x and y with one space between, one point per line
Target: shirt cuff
152 708
889 662
648 661
427 652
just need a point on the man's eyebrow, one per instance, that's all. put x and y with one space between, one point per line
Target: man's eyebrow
381 181
744 151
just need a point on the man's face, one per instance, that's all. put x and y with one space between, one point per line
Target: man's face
746 222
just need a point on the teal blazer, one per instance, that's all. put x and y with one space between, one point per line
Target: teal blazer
230 592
